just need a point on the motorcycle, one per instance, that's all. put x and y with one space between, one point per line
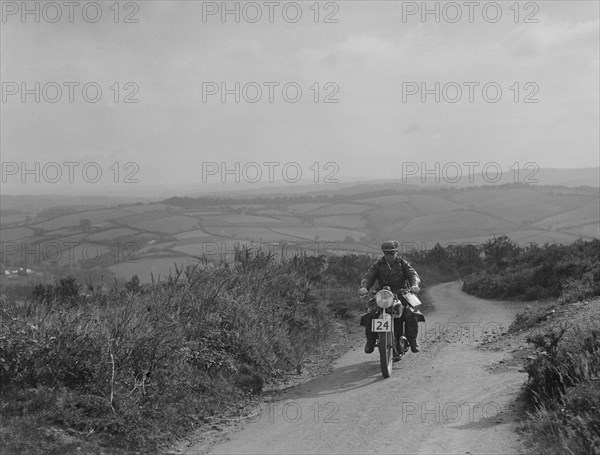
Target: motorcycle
390 307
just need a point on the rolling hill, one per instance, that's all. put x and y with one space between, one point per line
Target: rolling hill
150 238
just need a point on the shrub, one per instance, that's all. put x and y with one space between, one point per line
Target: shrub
535 273
144 366
563 389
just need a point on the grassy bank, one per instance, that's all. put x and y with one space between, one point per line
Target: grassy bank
133 368
562 393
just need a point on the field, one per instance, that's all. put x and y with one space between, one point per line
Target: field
247 233
304 208
319 233
145 269
586 213
197 233
153 247
157 234
340 209
427 205
168 225
386 218
144 217
16 234
69 235
248 219
272 212
142 208
348 221
7 220
587 230
452 224
101 217
386 201
111 234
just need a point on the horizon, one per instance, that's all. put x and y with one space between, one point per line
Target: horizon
165 190
161 92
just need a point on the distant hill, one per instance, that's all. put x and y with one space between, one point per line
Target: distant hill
149 238
418 178
13 204
533 176
569 177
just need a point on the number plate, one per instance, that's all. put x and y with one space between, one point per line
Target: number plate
381 325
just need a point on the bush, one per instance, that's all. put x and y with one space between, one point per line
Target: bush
531 316
563 390
571 272
145 366
577 289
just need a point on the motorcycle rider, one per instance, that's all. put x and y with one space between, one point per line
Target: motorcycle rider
393 271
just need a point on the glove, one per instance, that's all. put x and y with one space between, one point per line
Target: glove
415 289
363 291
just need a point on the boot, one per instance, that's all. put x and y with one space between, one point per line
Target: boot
371 342
414 344
403 342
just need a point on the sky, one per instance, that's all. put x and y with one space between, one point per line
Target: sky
326 92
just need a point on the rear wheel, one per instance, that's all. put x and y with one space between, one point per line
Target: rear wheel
386 353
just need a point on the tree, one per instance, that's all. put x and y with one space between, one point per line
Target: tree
68 288
85 224
501 250
133 285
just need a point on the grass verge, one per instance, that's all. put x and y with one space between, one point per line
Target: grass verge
562 394
130 370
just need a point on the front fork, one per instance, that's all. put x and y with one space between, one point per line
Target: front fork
401 347
386 316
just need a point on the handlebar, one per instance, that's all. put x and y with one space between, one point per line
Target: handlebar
372 292
404 295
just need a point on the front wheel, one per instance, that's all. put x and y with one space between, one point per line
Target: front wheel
386 353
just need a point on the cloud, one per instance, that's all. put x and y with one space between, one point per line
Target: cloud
356 50
412 128
531 39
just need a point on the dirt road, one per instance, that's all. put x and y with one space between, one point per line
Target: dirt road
444 400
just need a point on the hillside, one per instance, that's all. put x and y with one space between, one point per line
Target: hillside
147 239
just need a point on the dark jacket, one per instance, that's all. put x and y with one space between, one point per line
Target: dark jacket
395 275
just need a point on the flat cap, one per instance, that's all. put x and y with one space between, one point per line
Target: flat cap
390 245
